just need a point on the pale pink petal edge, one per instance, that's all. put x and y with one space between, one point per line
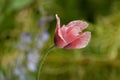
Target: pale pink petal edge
77 23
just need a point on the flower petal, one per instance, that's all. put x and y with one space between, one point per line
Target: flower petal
58 23
76 26
70 37
59 40
80 42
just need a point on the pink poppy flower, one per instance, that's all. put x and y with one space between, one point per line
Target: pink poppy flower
70 36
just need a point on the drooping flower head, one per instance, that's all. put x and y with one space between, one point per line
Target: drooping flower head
70 36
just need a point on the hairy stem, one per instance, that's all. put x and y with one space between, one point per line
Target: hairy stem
43 60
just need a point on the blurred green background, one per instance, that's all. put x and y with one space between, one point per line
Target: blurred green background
27 31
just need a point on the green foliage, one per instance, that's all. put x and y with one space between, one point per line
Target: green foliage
8 12
19 4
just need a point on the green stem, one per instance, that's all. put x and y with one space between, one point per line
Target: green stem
42 61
